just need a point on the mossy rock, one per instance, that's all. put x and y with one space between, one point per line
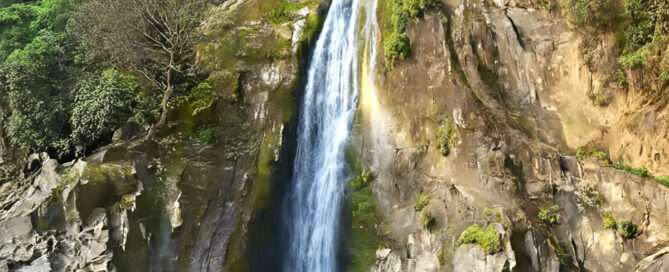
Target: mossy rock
120 176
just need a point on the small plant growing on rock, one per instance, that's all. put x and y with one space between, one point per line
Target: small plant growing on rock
487 238
446 137
560 253
421 202
549 4
628 230
585 152
550 216
609 221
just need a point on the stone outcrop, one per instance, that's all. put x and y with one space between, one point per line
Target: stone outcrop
510 76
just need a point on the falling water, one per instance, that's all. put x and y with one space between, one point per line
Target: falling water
317 195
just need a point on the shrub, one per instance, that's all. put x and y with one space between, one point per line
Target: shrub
446 137
550 216
634 59
396 42
641 23
487 238
35 95
609 221
421 202
102 103
628 230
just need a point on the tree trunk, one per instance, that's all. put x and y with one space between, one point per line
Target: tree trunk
163 105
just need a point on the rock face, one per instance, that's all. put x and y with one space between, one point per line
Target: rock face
181 200
42 229
510 76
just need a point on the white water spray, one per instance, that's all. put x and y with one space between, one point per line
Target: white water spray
317 195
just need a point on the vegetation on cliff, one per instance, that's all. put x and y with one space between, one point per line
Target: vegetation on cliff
487 238
73 71
365 221
394 19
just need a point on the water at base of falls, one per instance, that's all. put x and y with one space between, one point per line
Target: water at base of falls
316 195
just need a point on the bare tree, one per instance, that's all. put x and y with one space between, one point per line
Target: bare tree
154 38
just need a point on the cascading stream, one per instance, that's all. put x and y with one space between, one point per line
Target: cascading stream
316 198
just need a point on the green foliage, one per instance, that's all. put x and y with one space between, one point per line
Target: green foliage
365 218
560 252
587 152
396 42
609 221
446 137
549 4
102 103
628 230
621 77
550 216
640 172
664 77
643 172
487 238
634 59
639 32
36 96
662 179
421 202
597 13
641 23
201 97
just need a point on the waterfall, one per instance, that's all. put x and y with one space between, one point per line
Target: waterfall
316 196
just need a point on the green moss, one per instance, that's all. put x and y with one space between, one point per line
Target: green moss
628 230
487 238
119 175
365 219
550 216
560 252
262 192
609 221
421 202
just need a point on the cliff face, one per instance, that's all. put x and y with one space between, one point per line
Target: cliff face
479 125
510 79
182 199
